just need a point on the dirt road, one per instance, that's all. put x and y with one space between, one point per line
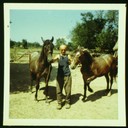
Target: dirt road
23 106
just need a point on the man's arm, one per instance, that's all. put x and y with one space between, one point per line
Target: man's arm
70 59
54 59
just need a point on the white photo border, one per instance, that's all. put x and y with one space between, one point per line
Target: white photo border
121 121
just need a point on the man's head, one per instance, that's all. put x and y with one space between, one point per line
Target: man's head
63 49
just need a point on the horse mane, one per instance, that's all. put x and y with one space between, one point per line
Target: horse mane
87 57
86 61
42 55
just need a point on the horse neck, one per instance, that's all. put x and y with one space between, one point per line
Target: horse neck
86 61
85 64
42 57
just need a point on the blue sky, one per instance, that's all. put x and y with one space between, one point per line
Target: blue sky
32 24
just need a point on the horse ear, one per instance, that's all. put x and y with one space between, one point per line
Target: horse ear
52 39
42 39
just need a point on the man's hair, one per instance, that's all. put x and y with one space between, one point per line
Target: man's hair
63 46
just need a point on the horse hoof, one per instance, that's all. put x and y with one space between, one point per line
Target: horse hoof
84 99
107 90
109 94
36 100
47 102
32 92
90 90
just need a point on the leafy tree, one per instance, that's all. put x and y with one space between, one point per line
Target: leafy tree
70 46
99 29
25 44
109 35
76 35
60 41
12 43
36 44
85 33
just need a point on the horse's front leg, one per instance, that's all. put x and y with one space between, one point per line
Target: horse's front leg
85 89
89 89
37 85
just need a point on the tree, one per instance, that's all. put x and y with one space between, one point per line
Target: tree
109 35
85 33
36 44
76 35
12 43
70 46
24 43
60 41
99 29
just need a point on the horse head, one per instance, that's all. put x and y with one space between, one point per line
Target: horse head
47 48
79 52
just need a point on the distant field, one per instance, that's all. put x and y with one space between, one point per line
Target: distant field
16 53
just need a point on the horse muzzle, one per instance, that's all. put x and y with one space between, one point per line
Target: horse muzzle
49 57
73 66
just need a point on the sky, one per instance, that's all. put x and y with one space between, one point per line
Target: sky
32 24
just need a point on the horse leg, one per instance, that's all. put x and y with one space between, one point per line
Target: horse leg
111 82
85 88
90 79
46 92
89 89
107 80
37 88
88 82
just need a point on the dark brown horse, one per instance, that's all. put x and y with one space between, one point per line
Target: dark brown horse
40 67
93 67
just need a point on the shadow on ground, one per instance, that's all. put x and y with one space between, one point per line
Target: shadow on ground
20 77
75 98
98 95
51 93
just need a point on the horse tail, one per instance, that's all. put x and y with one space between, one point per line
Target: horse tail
114 68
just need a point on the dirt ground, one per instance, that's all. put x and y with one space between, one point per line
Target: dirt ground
23 106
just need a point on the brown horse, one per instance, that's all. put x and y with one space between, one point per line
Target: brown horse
93 67
40 67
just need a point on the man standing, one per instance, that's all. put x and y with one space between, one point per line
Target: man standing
64 79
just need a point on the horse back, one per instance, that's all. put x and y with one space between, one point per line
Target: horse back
33 61
102 65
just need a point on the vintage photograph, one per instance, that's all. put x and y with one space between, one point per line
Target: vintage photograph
64 64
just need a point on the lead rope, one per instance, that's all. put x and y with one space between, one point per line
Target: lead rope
48 72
